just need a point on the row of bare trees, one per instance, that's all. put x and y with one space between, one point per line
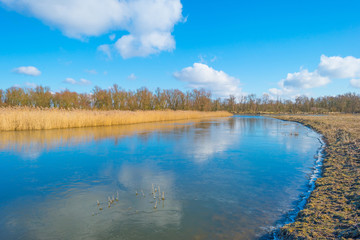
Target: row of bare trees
113 98
344 103
143 99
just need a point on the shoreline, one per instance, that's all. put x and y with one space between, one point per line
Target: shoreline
20 119
317 171
333 206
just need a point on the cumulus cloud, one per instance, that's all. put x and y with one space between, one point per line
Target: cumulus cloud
297 82
329 68
72 81
152 22
338 67
30 71
203 76
304 80
145 44
149 23
75 18
355 83
275 92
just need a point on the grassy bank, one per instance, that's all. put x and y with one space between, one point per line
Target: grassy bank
38 119
333 209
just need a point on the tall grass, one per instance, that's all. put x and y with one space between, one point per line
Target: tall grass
40 119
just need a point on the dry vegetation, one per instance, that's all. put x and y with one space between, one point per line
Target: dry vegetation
333 209
38 119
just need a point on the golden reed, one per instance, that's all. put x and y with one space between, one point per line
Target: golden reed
16 119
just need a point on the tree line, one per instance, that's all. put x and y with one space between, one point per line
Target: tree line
116 98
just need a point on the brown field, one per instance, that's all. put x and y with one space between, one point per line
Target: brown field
333 209
16 119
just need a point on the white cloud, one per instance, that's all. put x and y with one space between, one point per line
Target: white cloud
75 18
304 80
72 81
141 46
132 76
203 76
329 68
276 91
105 49
355 83
149 23
30 71
338 67
152 22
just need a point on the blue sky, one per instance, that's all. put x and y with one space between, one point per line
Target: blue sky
283 48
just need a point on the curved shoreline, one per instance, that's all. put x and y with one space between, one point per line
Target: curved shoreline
303 198
333 208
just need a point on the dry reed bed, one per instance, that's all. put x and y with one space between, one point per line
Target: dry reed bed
40 119
333 209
